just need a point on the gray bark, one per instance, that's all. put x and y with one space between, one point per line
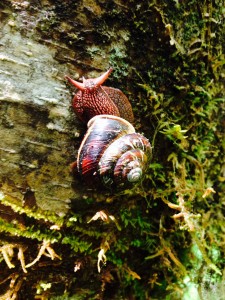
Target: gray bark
38 131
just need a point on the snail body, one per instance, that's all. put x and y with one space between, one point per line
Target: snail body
112 152
94 99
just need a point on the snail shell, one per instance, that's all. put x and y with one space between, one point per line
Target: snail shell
112 152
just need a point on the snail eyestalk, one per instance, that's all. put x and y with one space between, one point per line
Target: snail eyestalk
77 84
101 79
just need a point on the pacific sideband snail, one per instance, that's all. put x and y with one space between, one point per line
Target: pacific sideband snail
111 151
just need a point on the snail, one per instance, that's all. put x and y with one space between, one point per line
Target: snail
111 152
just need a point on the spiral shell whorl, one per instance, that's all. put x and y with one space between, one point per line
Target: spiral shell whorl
123 156
134 174
130 166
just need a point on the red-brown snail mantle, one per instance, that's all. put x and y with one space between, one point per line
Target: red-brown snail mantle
94 99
